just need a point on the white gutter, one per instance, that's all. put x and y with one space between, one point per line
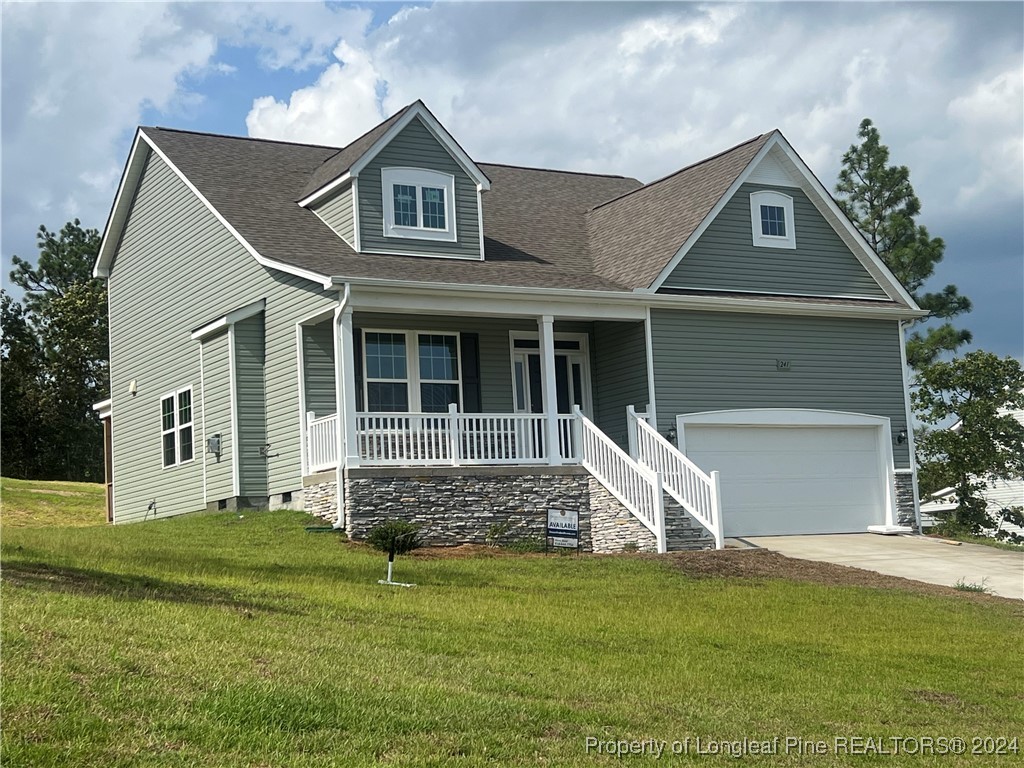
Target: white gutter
633 299
339 409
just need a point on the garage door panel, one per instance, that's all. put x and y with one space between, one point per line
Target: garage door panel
790 480
792 464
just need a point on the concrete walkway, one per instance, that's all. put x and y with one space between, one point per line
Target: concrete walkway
912 557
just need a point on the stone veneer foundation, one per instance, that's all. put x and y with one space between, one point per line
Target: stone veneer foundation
904 483
478 505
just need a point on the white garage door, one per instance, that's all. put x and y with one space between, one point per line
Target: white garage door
793 479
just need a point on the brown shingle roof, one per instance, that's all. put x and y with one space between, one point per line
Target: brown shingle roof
339 163
534 230
633 237
542 228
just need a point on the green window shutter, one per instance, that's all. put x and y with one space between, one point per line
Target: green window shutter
471 398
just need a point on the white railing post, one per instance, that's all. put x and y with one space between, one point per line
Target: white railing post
454 435
716 506
577 434
659 513
548 388
631 430
307 455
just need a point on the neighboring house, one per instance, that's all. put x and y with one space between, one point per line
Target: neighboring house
459 343
999 494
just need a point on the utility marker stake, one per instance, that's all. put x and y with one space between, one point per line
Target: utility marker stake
391 563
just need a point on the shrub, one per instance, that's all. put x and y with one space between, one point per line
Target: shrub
402 534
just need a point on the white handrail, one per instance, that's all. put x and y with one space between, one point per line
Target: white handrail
321 442
696 490
638 488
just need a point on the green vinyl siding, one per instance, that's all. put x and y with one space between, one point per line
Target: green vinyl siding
416 147
252 419
337 213
216 417
318 364
620 375
725 259
178 268
709 361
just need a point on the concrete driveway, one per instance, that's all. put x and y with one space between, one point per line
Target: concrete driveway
912 557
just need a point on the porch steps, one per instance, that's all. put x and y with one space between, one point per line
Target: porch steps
682 532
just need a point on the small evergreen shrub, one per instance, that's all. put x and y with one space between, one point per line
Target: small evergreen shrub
404 535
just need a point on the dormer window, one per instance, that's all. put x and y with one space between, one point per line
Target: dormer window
418 204
771 219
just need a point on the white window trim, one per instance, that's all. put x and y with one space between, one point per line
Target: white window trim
778 200
176 429
419 178
412 367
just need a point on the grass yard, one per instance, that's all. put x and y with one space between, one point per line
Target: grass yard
50 503
228 640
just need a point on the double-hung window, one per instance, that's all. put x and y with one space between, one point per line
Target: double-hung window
771 219
176 433
409 371
418 203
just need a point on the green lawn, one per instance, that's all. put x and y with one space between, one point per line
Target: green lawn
48 503
228 640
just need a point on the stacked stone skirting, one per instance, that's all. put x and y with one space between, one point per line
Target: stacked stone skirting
904 484
479 505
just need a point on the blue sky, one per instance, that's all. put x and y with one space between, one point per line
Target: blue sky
638 89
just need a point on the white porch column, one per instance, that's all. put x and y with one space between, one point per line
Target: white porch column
546 327
345 354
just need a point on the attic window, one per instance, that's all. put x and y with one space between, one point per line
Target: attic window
418 204
771 220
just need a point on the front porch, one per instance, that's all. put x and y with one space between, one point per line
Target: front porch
466 422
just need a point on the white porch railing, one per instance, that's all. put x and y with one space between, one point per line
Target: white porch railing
321 442
637 487
442 439
695 490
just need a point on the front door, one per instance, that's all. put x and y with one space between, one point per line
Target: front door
569 382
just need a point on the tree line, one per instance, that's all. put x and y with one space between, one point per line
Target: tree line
54 356
54 350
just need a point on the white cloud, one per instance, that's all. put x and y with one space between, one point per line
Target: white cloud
77 78
991 119
339 106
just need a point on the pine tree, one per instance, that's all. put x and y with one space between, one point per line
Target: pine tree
880 201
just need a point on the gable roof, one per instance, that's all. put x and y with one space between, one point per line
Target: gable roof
338 164
542 228
634 236
353 158
533 219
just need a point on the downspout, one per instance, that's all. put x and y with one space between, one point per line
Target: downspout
339 409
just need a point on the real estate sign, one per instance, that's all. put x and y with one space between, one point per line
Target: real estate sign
564 528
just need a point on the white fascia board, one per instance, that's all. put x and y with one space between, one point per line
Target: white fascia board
229 319
262 260
122 203
380 288
440 133
841 222
325 190
103 408
821 198
291 269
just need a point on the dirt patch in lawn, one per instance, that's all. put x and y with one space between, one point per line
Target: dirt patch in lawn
765 564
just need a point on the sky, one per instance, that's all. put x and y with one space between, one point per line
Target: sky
635 89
